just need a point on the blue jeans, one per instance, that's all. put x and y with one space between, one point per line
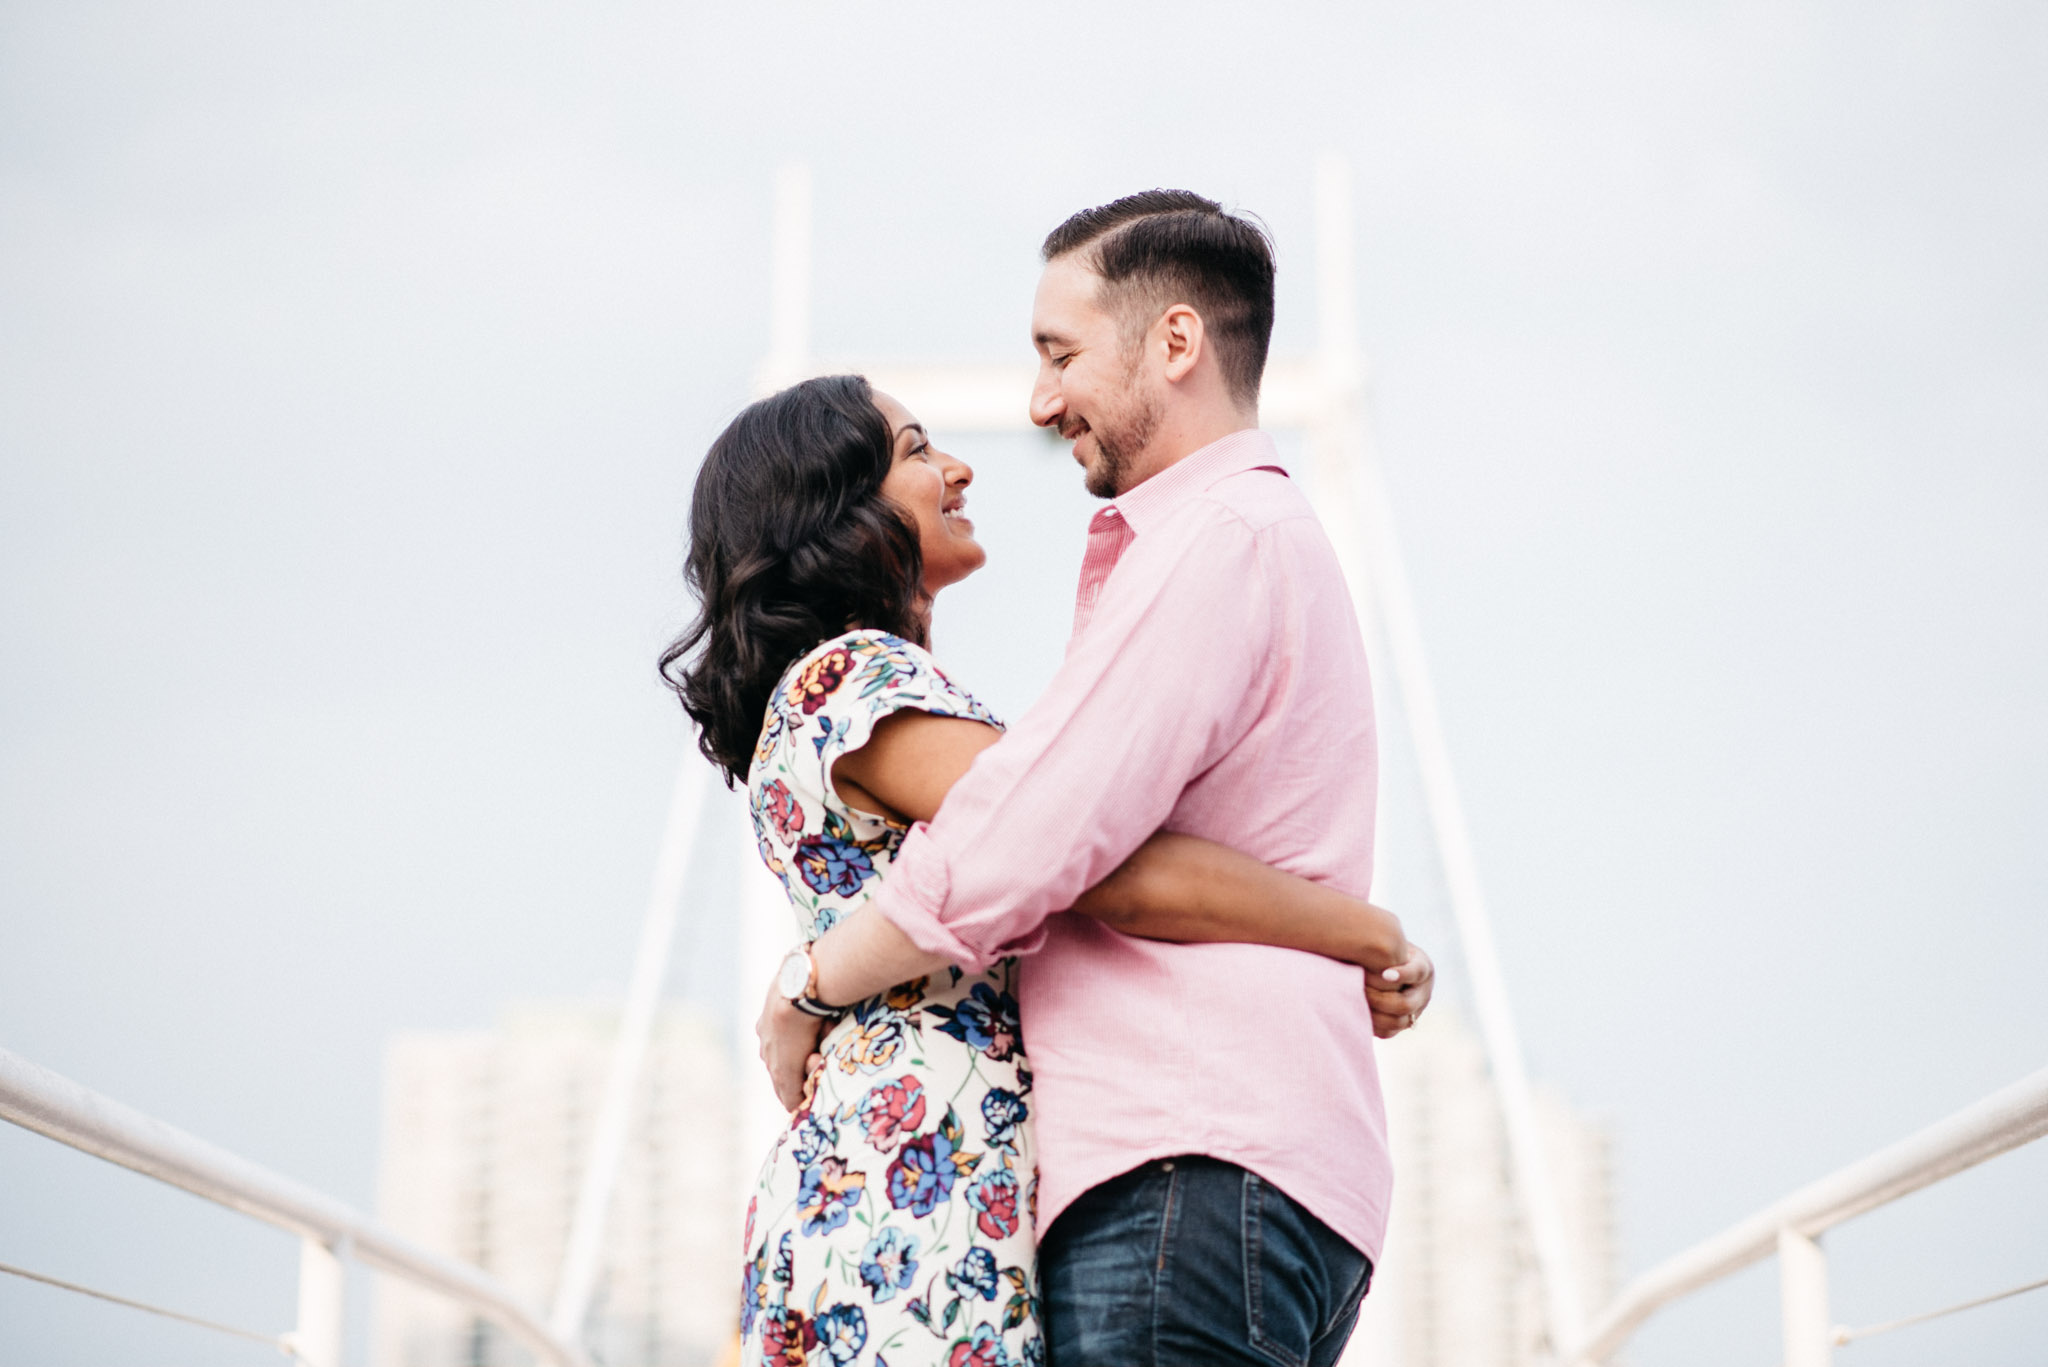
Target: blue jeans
1194 1262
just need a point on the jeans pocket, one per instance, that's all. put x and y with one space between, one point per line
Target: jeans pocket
1330 1345
1274 1297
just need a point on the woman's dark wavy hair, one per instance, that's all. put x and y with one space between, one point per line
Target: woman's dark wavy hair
791 543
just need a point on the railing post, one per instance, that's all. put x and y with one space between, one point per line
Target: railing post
1803 1288
322 1285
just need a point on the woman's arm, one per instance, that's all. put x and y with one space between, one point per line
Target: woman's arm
1177 887
1190 890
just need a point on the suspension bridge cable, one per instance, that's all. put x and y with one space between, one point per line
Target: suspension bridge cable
272 1340
1846 1335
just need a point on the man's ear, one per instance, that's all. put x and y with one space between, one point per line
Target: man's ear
1182 338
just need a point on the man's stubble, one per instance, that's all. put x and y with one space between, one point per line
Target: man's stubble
1120 436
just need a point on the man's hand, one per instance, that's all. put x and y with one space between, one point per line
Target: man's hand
789 1045
1397 996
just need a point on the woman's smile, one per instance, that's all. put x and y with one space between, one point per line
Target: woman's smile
931 486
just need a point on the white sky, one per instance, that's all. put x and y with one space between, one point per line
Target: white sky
353 367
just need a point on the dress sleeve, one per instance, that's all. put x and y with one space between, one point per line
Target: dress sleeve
850 683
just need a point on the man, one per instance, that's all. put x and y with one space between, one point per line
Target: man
1213 1162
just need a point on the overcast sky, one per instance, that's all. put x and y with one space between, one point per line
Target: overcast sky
354 364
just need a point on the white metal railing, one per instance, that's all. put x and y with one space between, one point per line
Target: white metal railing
1791 1228
56 1107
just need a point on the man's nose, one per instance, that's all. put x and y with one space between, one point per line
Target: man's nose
1046 404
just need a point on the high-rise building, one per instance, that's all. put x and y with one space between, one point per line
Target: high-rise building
1458 1283
486 1135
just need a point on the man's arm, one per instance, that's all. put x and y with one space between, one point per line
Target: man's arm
1178 888
1172 887
1169 675
865 954
1157 689
1187 890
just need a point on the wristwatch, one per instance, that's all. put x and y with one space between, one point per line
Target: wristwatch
797 980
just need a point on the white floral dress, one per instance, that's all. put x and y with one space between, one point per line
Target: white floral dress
892 1223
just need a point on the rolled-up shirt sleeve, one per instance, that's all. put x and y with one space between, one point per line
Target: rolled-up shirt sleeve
1163 680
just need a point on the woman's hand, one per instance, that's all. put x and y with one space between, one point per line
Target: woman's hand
1398 995
789 1044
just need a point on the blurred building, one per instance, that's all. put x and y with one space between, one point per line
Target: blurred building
486 1134
1457 1284
485 1139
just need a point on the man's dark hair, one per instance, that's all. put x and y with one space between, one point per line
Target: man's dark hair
1162 247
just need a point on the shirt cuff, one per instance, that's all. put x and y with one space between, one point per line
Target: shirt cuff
912 897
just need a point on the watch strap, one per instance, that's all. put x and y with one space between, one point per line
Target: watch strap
811 1006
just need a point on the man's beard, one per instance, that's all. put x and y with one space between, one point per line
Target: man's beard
1119 438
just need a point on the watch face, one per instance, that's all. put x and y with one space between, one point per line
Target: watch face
794 975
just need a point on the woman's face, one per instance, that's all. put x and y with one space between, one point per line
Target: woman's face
931 486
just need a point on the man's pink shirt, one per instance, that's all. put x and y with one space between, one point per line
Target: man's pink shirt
1215 684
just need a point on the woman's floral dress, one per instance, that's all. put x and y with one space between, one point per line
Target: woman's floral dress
892 1223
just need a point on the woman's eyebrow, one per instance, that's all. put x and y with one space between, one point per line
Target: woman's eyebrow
916 427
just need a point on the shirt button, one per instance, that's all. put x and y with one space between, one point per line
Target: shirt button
1167 1166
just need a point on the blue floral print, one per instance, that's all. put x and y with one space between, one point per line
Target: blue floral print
975 1275
984 1348
994 1200
1003 1111
987 1021
891 1225
833 866
827 1191
889 1264
815 1136
750 1294
922 1175
842 1332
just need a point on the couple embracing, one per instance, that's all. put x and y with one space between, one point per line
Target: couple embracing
1156 876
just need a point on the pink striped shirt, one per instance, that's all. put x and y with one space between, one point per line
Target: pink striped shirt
1215 684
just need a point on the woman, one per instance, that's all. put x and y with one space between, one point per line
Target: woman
892 1223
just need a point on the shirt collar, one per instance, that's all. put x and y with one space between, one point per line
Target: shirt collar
1151 503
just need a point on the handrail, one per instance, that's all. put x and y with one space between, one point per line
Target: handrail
2005 1120
51 1105
1844 1335
281 1342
